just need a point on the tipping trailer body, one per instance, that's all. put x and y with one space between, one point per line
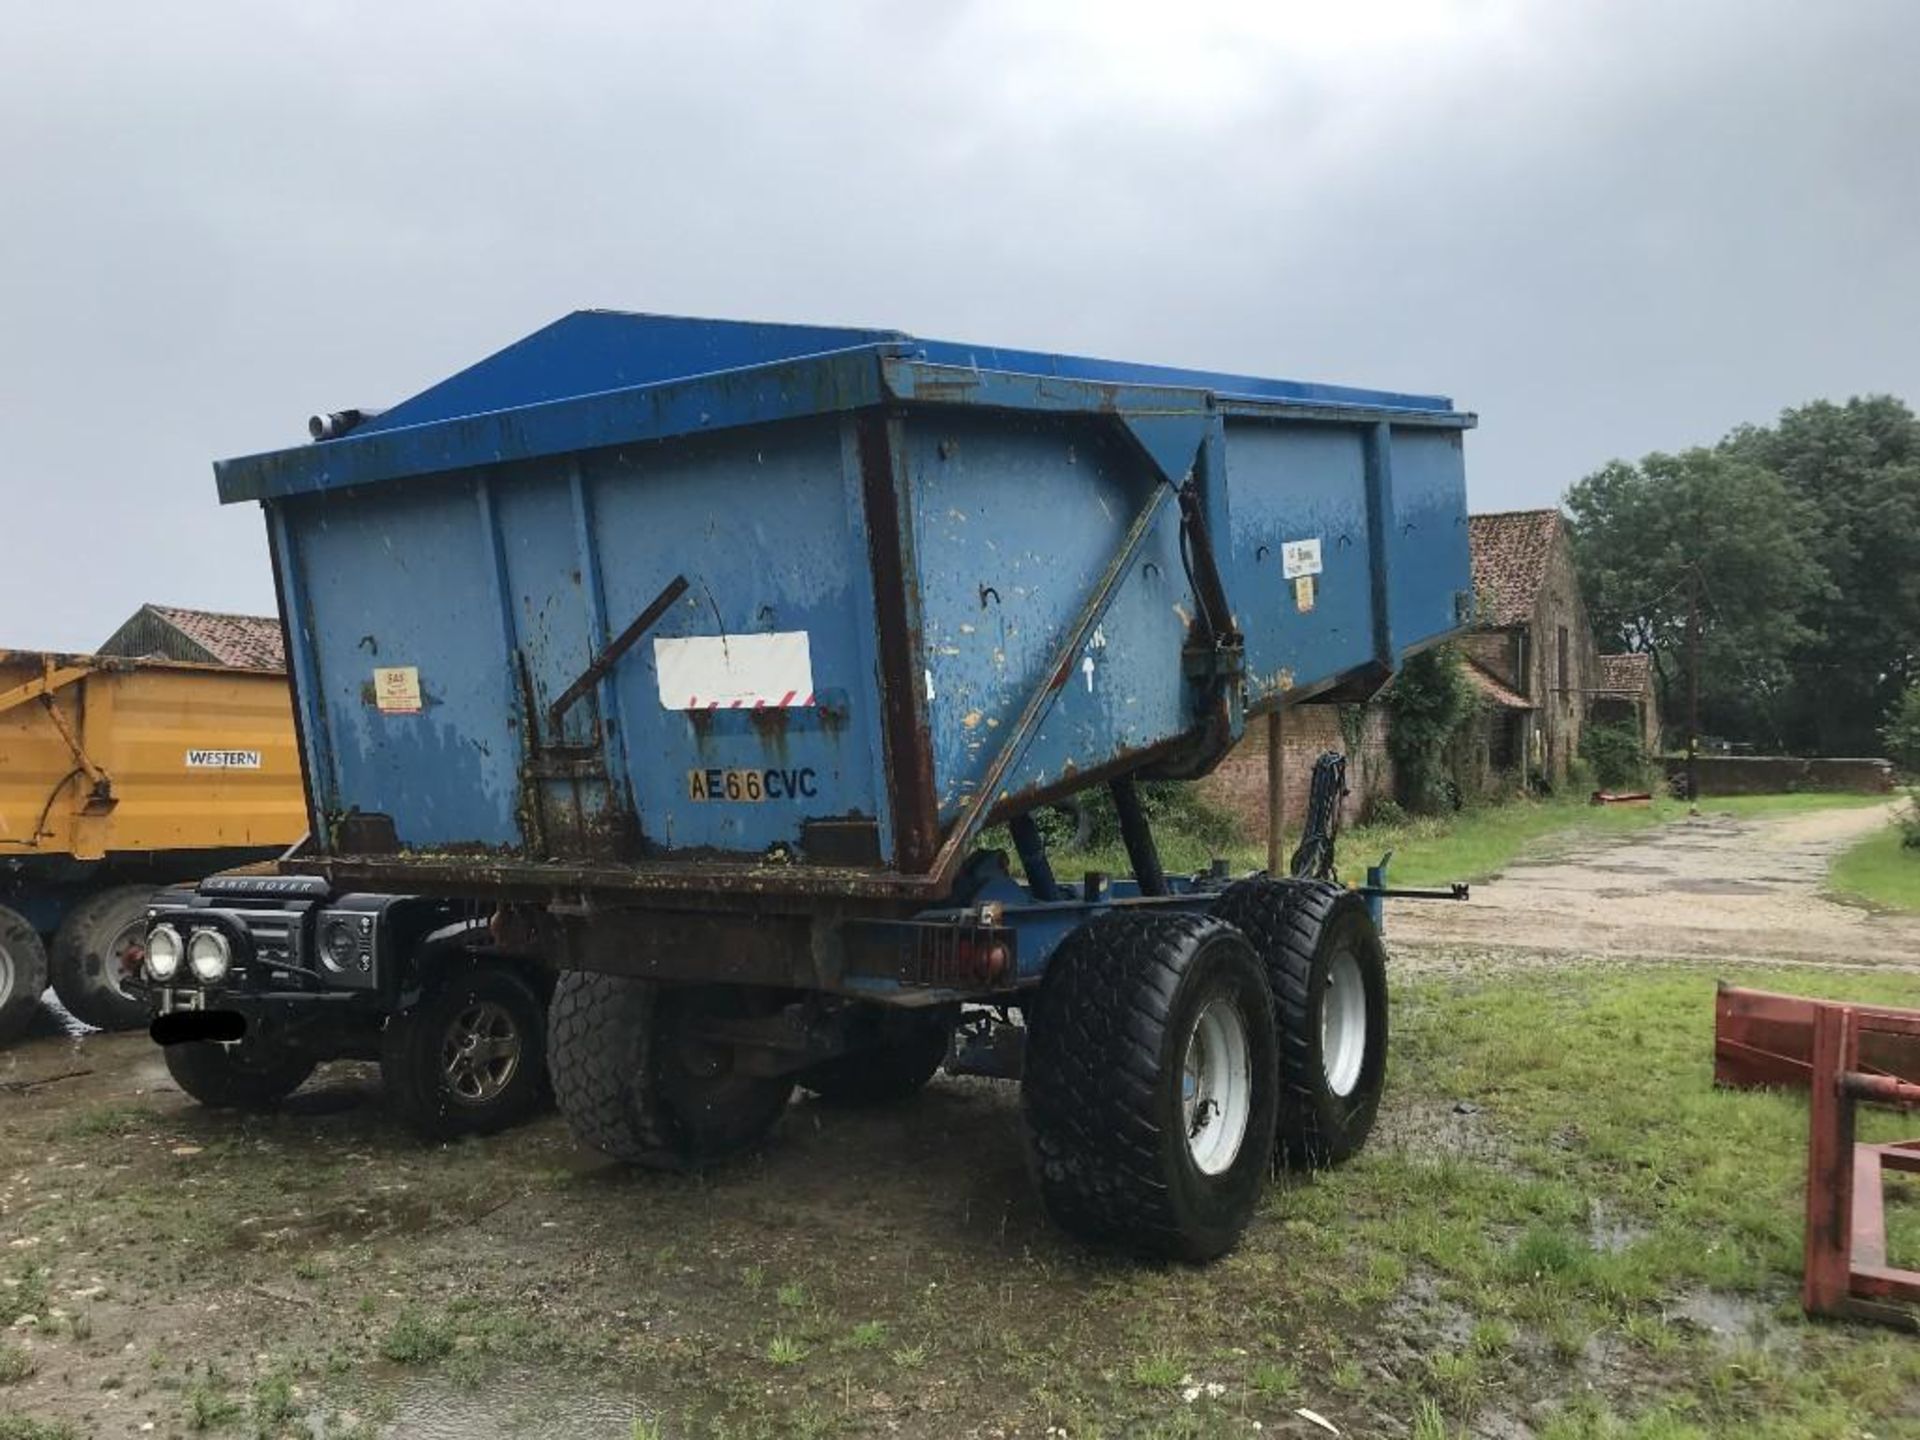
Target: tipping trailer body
777 618
117 775
147 769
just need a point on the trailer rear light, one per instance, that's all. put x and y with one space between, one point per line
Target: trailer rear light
983 957
968 954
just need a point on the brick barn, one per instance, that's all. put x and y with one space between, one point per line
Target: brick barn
1533 641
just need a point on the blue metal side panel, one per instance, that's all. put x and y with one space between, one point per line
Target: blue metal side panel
1014 525
408 580
546 585
1428 559
1292 482
759 522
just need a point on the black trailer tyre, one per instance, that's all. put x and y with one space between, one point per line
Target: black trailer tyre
470 1057
635 1081
241 1076
23 974
97 951
895 1069
1150 1084
1328 971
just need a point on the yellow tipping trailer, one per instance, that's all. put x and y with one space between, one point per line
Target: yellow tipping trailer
116 776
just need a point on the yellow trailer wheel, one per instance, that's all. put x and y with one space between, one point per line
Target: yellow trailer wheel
23 974
97 954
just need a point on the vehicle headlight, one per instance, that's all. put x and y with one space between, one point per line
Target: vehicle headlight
340 943
164 949
210 956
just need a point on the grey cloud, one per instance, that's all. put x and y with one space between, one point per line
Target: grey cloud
1606 227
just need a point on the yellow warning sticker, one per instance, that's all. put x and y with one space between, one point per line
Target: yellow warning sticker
1303 594
396 689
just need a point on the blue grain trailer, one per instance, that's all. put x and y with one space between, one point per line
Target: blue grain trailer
705 651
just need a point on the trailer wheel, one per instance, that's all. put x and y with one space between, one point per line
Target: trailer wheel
97 951
1150 1083
471 1057
636 1082
909 1054
1328 971
23 974
240 1076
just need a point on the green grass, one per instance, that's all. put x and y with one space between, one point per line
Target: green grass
1617 1193
1472 844
1797 802
1879 870
417 1339
24 1427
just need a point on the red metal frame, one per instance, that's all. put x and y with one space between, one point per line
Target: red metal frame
1762 1039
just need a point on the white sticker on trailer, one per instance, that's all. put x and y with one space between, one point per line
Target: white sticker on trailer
223 759
1300 557
735 672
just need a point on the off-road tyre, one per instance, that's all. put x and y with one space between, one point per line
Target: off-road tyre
886 1073
1107 1046
90 963
470 1058
240 1076
1298 927
616 1049
23 974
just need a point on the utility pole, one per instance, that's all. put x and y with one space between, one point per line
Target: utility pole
1693 688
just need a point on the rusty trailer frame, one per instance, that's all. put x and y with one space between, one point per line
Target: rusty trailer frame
1845 1056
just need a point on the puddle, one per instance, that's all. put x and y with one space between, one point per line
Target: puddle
1711 886
1732 1320
521 1402
1609 1234
1439 1323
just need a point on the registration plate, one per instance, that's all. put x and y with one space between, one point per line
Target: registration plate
752 786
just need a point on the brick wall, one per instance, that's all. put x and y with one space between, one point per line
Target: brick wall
1562 702
1775 774
1240 783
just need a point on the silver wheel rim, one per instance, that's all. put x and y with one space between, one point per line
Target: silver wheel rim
480 1053
1343 1024
7 981
1216 1090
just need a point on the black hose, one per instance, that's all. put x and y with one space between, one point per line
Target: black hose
1314 859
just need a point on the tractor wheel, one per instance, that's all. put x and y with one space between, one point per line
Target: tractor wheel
240 1076
1150 1083
909 1053
1328 971
23 974
471 1057
97 954
636 1081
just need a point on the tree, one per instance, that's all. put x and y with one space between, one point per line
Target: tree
1646 535
1903 731
1856 467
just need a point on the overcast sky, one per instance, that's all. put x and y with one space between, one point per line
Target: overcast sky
1606 227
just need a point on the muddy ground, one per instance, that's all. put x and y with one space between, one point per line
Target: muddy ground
1708 887
168 1271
